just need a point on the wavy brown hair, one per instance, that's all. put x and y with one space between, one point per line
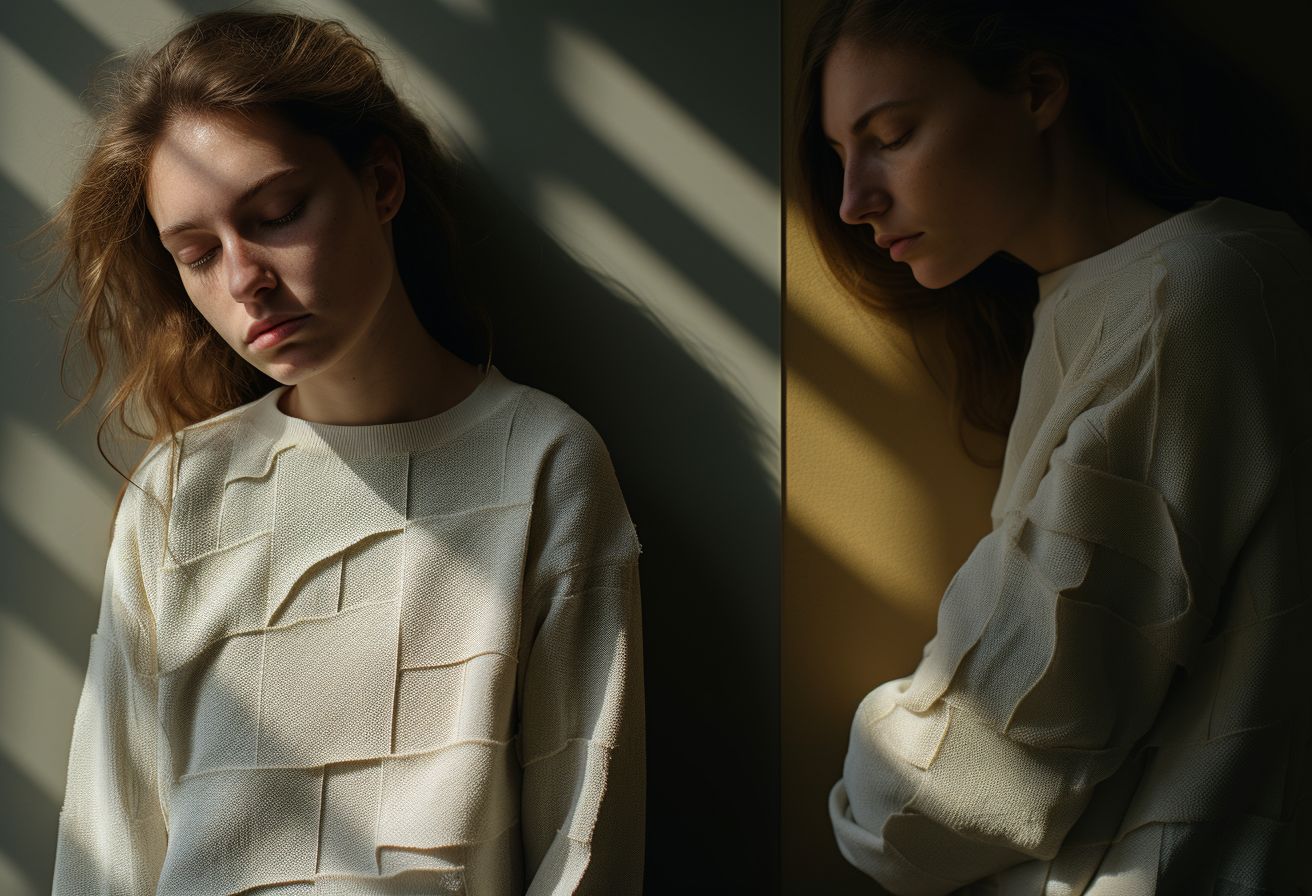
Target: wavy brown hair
169 367
1145 103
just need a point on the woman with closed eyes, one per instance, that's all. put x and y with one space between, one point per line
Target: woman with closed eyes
370 618
1116 700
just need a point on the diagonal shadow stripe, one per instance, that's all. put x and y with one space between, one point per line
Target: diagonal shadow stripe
58 42
489 68
27 824
53 604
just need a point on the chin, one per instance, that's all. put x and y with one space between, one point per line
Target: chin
930 278
936 276
290 372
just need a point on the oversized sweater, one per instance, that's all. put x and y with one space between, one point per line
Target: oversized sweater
1116 700
388 659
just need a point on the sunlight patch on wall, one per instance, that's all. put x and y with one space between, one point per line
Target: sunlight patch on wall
831 459
49 497
478 11
12 880
437 103
668 146
35 156
122 25
602 243
37 704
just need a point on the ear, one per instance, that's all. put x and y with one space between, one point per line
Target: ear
385 175
1047 85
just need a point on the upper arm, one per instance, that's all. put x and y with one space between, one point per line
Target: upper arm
1060 636
581 690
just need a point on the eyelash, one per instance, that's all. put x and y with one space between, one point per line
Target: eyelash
897 144
286 219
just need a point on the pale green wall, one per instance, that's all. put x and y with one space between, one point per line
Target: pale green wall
631 205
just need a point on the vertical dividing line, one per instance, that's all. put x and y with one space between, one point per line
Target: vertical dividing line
401 597
323 801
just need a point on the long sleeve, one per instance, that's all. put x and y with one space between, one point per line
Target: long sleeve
582 734
1060 636
112 832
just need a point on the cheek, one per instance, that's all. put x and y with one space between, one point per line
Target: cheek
347 262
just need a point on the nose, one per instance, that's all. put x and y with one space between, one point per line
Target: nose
250 276
863 196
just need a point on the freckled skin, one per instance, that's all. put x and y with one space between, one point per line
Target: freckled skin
334 260
967 175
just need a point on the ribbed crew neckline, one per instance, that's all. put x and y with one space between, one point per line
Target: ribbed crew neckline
1209 216
378 438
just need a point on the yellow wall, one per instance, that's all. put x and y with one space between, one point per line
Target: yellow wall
881 506
881 503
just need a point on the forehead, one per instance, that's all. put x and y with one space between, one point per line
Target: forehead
857 76
203 160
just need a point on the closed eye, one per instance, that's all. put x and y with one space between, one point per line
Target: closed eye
287 218
282 221
899 142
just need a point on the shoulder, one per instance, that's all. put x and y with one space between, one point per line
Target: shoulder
579 514
183 471
1227 281
548 435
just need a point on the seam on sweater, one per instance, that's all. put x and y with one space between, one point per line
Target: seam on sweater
1266 314
1139 563
281 626
223 491
259 701
220 550
469 511
565 745
548 579
460 662
363 760
505 446
400 626
458 844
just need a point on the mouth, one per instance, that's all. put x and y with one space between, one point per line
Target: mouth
899 248
264 337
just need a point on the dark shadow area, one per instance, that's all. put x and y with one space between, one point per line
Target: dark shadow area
869 640
58 42
503 70
687 460
28 824
46 598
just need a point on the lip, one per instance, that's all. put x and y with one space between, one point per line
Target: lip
886 240
899 246
268 333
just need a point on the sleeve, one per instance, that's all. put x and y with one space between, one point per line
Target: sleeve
1059 637
112 830
581 714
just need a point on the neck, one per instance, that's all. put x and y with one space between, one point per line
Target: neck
1083 211
375 382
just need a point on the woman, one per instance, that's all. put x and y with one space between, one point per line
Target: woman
370 619
1115 700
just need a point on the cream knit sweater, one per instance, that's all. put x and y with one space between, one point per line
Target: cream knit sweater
1116 701
391 659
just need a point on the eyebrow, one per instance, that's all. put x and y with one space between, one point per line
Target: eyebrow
247 194
865 117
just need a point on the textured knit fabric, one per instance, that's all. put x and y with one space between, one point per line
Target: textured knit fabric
1116 701
391 659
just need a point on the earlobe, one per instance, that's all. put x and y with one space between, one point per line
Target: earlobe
1048 86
